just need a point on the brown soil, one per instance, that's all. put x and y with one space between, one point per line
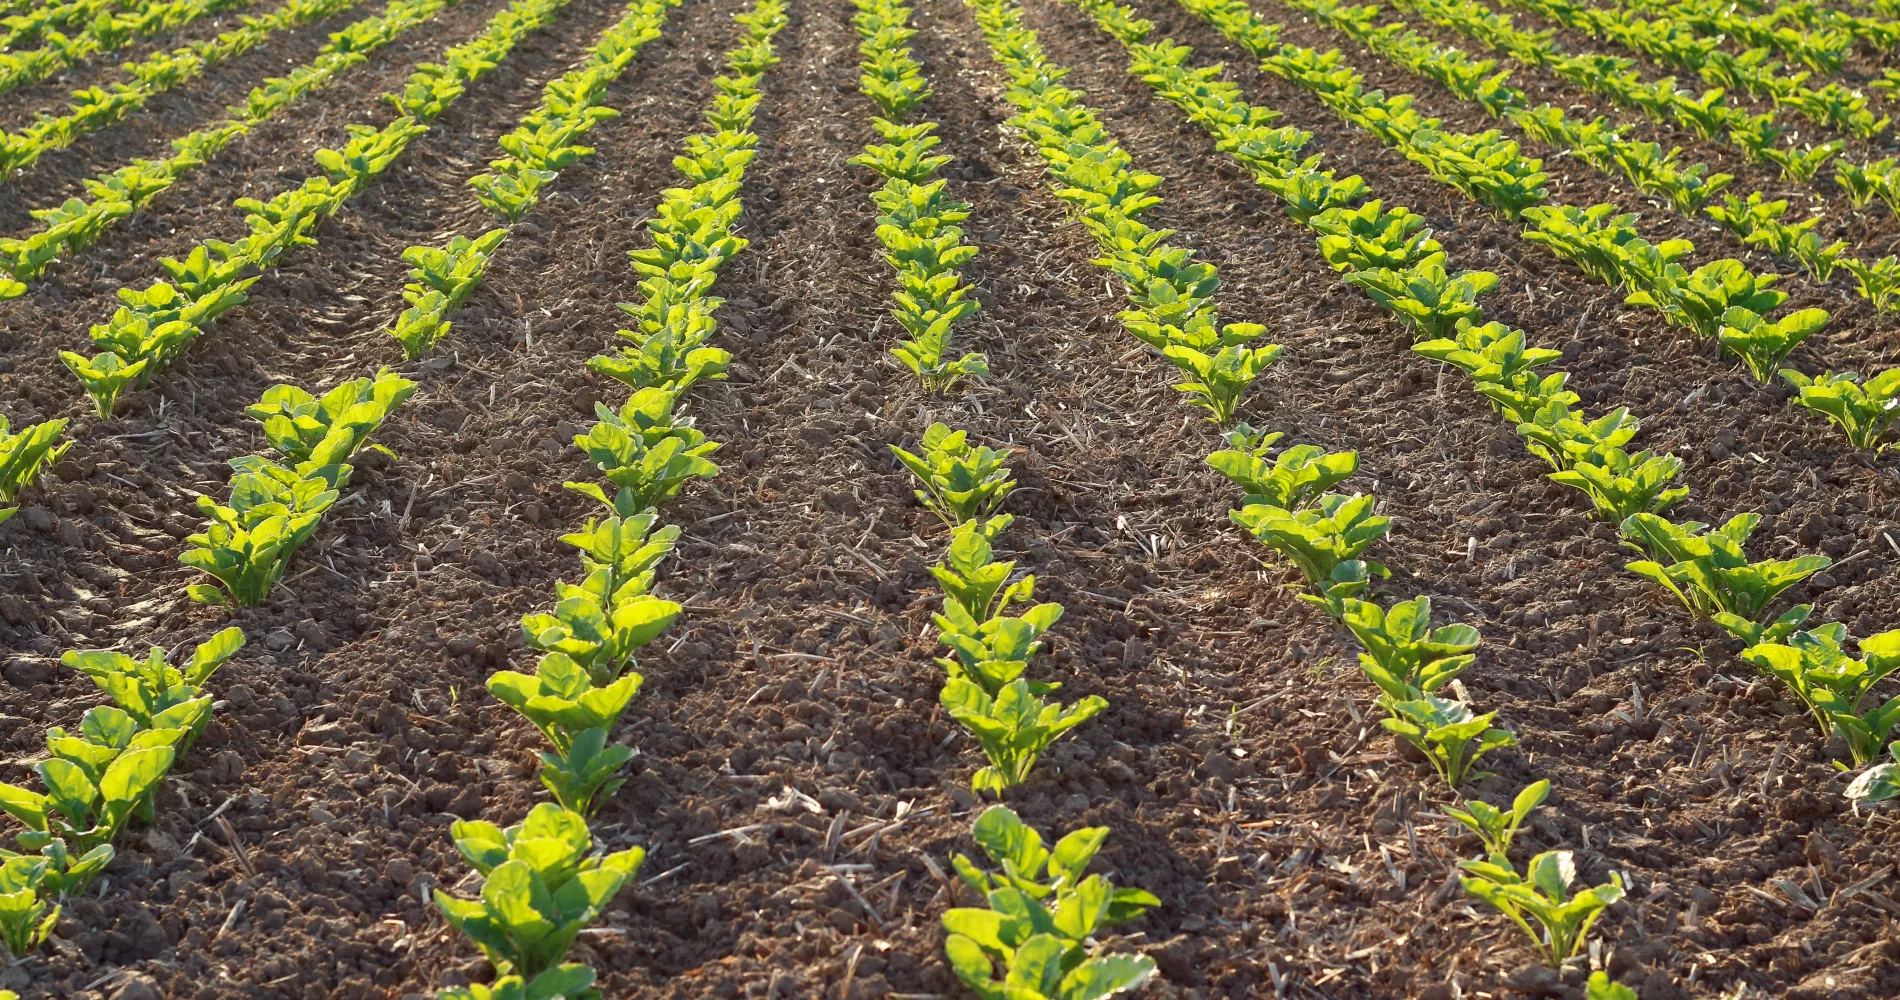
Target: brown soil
1238 766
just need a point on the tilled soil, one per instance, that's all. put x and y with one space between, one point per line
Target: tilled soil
795 771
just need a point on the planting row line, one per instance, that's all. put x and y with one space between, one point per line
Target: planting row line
79 223
1708 114
1287 506
275 506
156 323
1816 36
917 221
543 887
34 17
95 107
1721 301
1682 46
1688 188
1706 569
104 32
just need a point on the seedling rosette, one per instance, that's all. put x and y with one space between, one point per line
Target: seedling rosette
1043 913
1835 686
23 456
541 888
1708 571
1864 411
1542 902
1014 726
1292 480
963 483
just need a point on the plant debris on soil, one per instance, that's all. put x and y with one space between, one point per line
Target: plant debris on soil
797 786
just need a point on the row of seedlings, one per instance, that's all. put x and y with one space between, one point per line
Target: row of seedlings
1043 910
543 885
1814 36
1324 534
154 324
1708 114
534 154
26 19
1721 301
1689 188
1752 72
917 221
97 107
1707 569
1715 300
107 775
100 779
1412 663
984 690
78 223
104 32
166 706
276 503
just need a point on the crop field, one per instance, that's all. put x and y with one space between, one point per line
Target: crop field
1014 499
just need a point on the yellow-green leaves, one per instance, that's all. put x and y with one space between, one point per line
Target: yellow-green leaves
646 451
541 889
917 224
442 280
1708 571
1543 900
1043 914
962 482
26 920
1834 685
23 456
1292 479
1864 411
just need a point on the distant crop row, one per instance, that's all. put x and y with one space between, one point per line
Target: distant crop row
96 107
1683 46
917 221
154 324
1288 506
1722 301
103 31
1707 570
79 223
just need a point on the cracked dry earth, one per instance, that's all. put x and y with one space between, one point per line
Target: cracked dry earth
796 781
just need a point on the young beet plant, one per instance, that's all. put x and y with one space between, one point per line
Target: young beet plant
990 649
584 681
542 886
1325 541
442 279
275 507
646 451
1834 685
1293 479
1864 411
105 775
963 483
1708 571
1544 900
23 456
1043 914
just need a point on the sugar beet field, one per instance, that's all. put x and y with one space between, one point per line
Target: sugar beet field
770 499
